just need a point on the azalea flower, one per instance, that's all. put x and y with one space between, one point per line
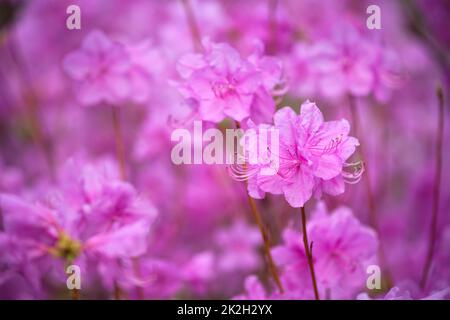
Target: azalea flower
254 290
311 158
347 63
99 68
342 247
223 84
237 247
107 71
94 218
149 58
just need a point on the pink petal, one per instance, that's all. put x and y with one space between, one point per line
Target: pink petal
328 166
299 192
311 116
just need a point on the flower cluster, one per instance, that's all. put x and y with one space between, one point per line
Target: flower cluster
347 63
342 247
107 71
348 196
220 83
92 218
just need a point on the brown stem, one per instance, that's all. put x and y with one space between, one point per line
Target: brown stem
437 189
193 26
120 155
309 254
117 291
75 294
265 236
118 138
373 216
137 272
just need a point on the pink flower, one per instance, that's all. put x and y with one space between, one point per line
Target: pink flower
238 248
199 271
348 68
99 67
223 84
347 63
107 71
92 218
159 278
342 247
148 67
254 290
312 156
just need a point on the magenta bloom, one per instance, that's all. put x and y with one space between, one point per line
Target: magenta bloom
193 76
347 63
238 248
99 67
254 290
312 156
349 66
107 71
342 247
92 218
223 84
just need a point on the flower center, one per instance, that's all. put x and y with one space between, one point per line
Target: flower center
222 89
66 247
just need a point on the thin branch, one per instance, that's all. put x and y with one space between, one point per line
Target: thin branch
308 252
437 189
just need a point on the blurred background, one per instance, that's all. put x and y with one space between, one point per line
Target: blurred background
203 241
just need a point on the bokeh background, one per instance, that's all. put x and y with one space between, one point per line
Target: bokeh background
187 231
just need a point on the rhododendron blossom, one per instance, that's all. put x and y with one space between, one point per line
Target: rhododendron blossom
254 290
347 63
342 249
312 157
186 149
108 71
91 218
238 246
223 84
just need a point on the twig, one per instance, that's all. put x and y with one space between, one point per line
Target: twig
308 252
437 189
118 138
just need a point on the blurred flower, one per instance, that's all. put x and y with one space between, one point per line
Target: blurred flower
238 247
91 218
342 247
199 271
100 68
347 63
107 71
223 84
254 290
